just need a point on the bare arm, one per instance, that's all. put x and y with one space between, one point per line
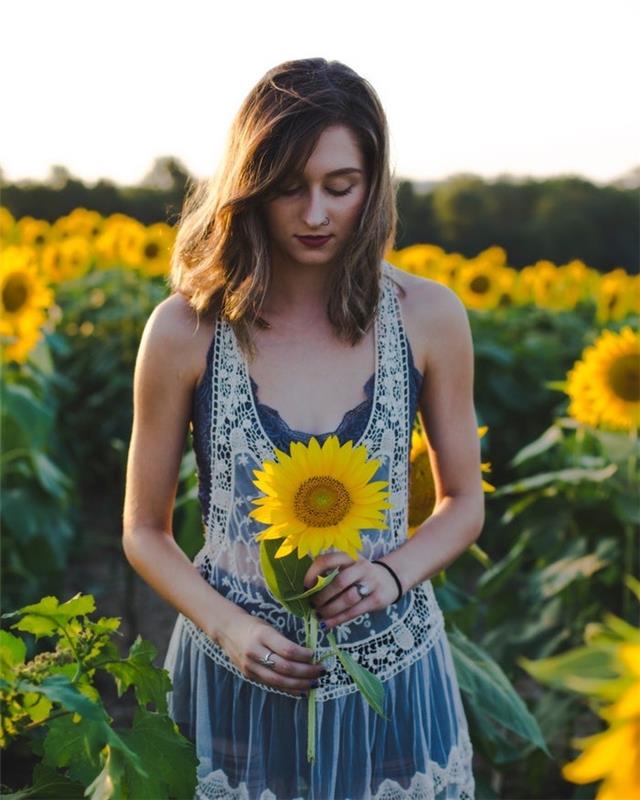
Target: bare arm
162 395
447 410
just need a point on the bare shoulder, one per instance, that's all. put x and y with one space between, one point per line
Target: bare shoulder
434 316
175 330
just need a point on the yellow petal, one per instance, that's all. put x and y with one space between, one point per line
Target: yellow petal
603 750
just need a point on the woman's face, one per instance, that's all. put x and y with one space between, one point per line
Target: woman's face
333 187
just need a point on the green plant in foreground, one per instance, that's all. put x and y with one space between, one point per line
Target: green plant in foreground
52 702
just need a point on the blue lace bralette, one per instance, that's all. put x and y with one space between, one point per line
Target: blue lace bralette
352 425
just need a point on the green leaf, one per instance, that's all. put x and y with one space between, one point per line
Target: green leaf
617 445
50 477
169 757
44 617
75 745
494 578
560 386
285 576
452 598
557 576
570 476
150 683
627 508
33 417
107 782
371 687
48 784
12 652
37 706
489 690
321 582
59 689
633 584
586 663
549 438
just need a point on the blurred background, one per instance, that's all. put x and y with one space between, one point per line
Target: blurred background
514 147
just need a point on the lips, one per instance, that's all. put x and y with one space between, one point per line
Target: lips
313 241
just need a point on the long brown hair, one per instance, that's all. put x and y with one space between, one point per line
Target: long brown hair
221 260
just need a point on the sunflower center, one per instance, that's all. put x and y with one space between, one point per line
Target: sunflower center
321 501
14 293
479 284
151 250
624 378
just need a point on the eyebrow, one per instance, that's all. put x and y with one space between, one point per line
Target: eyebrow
344 171
341 171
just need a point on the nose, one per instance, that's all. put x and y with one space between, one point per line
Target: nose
315 213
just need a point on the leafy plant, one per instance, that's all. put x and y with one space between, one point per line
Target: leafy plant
52 701
38 515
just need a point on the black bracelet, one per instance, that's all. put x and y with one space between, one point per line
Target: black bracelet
395 578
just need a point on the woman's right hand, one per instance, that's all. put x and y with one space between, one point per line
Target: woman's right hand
248 640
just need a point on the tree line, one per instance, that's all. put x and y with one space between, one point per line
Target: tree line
557 218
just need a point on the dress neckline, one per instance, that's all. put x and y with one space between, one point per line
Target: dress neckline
384 288
288 428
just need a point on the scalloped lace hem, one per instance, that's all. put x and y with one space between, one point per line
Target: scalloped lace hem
456 774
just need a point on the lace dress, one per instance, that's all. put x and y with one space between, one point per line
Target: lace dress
251 739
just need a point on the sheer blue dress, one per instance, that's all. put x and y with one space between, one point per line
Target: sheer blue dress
252 743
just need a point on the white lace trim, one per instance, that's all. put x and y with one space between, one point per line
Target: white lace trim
385 641
423 786
385 654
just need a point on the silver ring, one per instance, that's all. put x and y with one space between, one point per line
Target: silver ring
363 589
267 660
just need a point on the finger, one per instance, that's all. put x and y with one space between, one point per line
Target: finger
344 601
272 678
354 611
294 669
286 649
343 580
324 564
292 659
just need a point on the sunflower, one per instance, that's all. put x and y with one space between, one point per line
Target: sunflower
33 232
614 297
604 386
24 300
319 497
156 249
420 259
80 222
613 755
485 466
422 491
66 259
479 283
7 224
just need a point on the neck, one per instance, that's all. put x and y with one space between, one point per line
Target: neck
298 292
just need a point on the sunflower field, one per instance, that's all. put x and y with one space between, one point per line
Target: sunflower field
542 611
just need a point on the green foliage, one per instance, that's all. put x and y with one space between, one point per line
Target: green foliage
96 400
492 701
38 514
562 543
52 701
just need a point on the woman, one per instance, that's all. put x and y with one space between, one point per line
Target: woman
278 269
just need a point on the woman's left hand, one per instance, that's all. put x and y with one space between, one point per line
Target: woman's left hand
340 601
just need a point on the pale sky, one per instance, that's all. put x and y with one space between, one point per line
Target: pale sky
485 86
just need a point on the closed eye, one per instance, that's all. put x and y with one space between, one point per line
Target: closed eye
334 192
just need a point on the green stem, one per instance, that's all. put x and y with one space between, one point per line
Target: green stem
629 531
311 641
